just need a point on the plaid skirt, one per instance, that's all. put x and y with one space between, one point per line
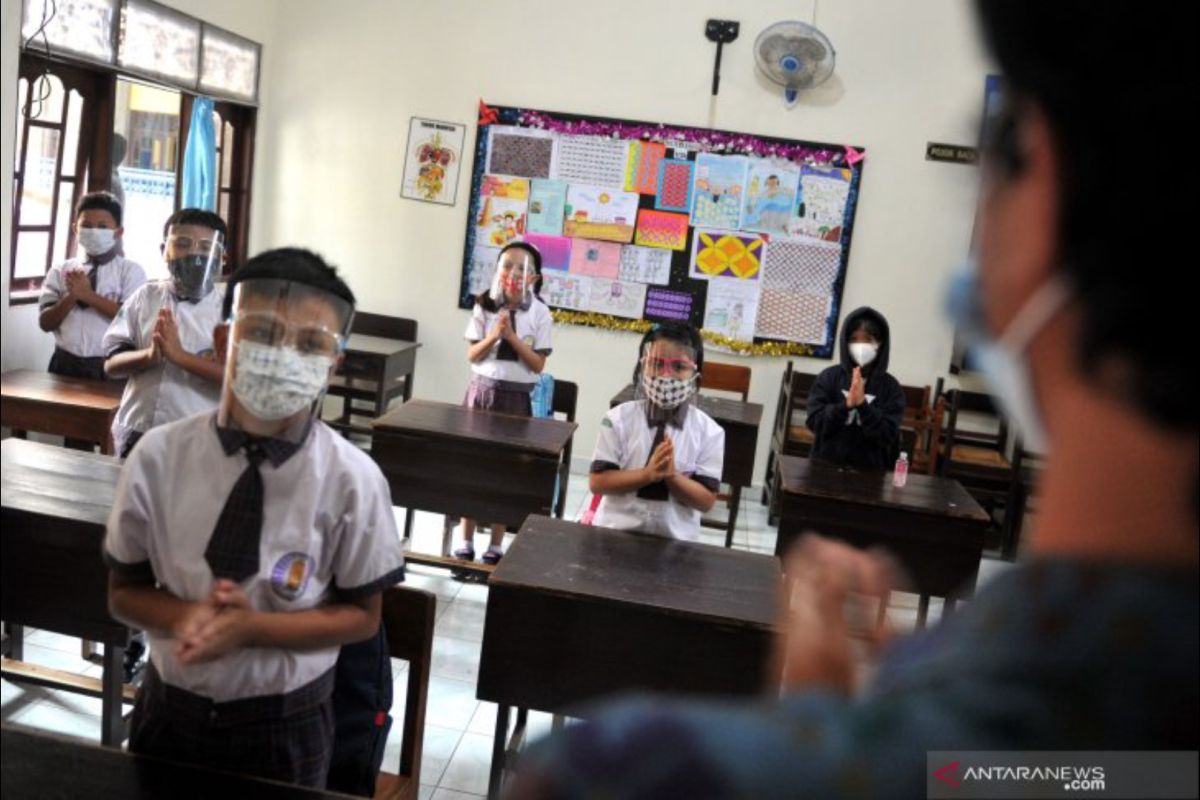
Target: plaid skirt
286 737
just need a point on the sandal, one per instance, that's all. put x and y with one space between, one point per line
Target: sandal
493 556
466 552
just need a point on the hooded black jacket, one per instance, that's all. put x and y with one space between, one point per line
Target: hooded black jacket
876 442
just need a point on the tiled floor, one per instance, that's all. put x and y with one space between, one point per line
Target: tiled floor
458 730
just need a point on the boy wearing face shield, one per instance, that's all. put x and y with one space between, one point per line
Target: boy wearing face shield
81 295
162 337
658 459
855 407
252 542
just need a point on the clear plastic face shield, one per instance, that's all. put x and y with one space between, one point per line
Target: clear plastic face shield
193 254
285 339
667 374
514 279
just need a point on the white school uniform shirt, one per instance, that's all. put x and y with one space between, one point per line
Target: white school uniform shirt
327 525
82 330
167 392
533 328
625 442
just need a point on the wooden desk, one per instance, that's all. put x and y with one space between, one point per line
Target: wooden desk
40 765
932 524
740 422
576 613
380 361
75 408
55 506
458 461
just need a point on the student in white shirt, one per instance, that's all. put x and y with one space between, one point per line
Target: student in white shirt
251 542
81 295
508 342
162 337
658 459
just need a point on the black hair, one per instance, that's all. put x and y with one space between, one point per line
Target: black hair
678 332
484 298
100 201
293 264
196 216
868 324
1051 55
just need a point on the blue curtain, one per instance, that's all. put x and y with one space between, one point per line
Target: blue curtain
200 158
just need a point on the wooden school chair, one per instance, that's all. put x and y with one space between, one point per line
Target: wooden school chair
920 429
408 616
356 380
977 455
733 378
789 435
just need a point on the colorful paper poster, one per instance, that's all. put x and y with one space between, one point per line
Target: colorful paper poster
674 185
555 250
432 162
727 254
597 212
591 160
668 304
564 290
731 308
662 229
821 205
717 190
547 203
645 264
504 186
525 152
501 220
617 298
793 316
771 188
641 168
483 264
596 259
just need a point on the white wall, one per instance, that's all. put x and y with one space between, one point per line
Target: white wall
340 82
353 73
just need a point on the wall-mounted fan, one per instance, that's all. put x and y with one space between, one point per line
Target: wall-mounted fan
795 55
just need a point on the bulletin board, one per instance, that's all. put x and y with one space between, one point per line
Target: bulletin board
744 236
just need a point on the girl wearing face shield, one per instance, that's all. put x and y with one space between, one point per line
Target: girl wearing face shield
508 341
658 459
855 407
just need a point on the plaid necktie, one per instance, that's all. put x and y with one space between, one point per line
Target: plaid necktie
232 550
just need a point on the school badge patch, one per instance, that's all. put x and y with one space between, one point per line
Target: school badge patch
289 576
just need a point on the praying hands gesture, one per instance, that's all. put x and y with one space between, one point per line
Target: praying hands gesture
662 461
78 285
502 329
214 626
166 336
857 395
829 619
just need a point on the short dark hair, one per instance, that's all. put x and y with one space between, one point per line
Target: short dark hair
196 216
100 201
1051 55
680 333
484 298
293 264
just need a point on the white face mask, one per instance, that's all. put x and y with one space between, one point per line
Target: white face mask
273 383
96 241
668 393
863 353
1002 359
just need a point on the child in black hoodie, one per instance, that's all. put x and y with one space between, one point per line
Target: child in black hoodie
855 407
